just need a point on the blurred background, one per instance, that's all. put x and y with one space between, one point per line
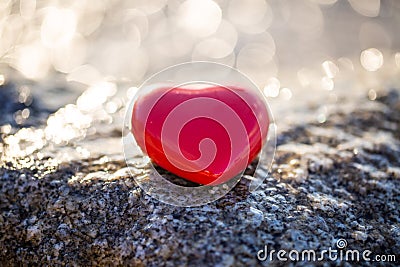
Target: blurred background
84 59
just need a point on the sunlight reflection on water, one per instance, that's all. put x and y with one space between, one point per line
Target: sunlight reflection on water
302 54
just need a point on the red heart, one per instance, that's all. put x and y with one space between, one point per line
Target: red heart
206 135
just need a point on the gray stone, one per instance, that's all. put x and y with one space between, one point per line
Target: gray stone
89 211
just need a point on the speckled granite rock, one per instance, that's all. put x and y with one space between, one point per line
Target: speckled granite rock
339 179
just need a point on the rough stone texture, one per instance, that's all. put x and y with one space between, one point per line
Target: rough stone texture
338 179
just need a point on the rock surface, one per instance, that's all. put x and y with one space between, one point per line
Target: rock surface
331 180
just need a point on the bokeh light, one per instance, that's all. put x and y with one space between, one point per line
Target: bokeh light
58 26
199 17
369 8
371 59
272 87
251 16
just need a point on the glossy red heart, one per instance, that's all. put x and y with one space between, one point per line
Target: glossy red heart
206 135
